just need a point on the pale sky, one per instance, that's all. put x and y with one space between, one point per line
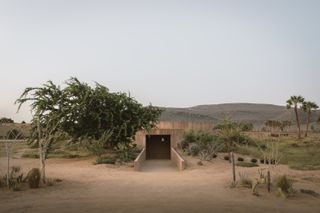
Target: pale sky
166 52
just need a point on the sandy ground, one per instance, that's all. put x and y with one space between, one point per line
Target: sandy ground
158 188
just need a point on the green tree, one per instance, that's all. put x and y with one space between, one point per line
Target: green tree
84 111
308 107
47 108
92 110
246 127
296 103
230 132
6 120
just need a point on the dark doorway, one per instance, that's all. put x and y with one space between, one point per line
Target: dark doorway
158 147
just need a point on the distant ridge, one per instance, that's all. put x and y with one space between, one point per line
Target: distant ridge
245 112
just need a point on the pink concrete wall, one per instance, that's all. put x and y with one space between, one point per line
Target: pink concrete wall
137 163
177 159
174 129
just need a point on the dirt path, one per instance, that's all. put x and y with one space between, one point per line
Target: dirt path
158 188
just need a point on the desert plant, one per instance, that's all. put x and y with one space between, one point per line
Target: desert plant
308 107
210 151
296 102
240 159
9 143
244 180
126 152
226 157
106 160
246 164
30 155
284 183
193 149
14 179
189 136
98 147
4 120
230 133
253 160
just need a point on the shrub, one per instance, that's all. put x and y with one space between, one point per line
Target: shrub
284 183
240 159
226 157
246 164
49 182
253 160
69 155
194 149
30 155
244 180
97 147
106 160
189 136
126 152
15 178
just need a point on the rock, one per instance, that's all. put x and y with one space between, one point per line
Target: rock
200 163
33 178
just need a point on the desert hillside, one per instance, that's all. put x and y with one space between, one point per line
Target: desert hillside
247 112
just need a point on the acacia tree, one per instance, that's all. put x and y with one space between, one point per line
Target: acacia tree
308 107
82 111
230 132
47 108
296 103
92 111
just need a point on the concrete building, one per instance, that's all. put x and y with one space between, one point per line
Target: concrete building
162 141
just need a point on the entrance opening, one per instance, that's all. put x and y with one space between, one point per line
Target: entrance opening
157 147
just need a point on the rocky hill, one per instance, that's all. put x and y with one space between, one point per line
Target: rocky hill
246 112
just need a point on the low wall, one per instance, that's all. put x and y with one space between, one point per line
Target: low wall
139 160
177 159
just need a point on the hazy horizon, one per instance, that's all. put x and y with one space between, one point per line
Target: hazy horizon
168 53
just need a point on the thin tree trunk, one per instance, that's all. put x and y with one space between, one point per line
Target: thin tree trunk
8 164
233 168
298 122
269 181
41 153
308 122
43 168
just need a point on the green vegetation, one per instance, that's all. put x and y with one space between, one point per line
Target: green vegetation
274 124
126 152
81 111
201 143
308 107
6 121
246 164
284 183
301 155
98 147
296 103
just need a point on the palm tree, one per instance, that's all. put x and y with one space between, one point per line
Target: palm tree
296 102
308 107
